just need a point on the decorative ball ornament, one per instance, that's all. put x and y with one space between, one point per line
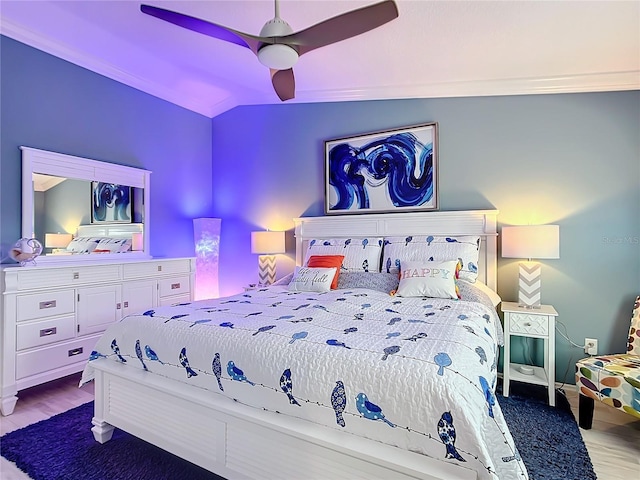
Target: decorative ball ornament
25 251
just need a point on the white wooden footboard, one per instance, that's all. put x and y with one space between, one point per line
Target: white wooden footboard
240 442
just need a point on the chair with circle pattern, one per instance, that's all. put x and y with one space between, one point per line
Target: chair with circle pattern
612 379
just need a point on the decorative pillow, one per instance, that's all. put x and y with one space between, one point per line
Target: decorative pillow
379 281
433 248
360 254
307 279
114 245
83 244
327 261
428 279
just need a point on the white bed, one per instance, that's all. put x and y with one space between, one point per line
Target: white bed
238 440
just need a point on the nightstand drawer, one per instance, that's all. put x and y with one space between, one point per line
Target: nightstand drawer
529 324
42 305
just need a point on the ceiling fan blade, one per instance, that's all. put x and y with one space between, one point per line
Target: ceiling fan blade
284 83
220 32
342 27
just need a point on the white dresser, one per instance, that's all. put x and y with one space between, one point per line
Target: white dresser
53 315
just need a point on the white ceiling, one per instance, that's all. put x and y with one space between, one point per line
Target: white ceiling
433 49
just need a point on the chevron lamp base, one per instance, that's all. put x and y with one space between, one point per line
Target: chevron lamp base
267 269
529 285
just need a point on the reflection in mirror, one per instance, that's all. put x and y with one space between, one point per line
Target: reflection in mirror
61 205
77 207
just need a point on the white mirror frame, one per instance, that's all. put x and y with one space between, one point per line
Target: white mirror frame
68 166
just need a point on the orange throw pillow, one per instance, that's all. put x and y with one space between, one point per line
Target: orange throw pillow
327 261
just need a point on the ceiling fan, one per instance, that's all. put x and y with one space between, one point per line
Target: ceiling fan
277 46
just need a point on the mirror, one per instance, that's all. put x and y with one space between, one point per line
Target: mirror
66 198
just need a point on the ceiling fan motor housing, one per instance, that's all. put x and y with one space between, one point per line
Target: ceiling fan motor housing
277 55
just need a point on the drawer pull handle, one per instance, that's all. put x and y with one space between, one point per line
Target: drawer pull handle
45 332
527 324
175 286
49 304
159 268
75 351
126 304
76 275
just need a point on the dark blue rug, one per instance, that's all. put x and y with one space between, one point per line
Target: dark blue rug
548 438
63 448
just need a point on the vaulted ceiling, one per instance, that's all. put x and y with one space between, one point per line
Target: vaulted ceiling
433 49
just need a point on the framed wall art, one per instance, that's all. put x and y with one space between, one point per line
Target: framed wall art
110 203
390 171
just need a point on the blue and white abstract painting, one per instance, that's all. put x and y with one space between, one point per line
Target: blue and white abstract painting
382 172
110 203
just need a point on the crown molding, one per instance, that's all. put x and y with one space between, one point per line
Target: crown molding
60 50
596 82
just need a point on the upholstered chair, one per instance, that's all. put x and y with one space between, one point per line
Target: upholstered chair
612 379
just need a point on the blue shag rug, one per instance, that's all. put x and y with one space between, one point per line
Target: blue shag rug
63 448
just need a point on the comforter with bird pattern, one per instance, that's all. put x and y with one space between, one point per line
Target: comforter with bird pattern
416 373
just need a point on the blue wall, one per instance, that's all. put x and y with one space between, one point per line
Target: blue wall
51 104
572 160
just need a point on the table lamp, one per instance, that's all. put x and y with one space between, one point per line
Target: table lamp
137 242
267 244
57 242
531 242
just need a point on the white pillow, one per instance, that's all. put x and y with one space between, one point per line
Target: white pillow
306 279
428 279
114 245
433 248
493 296
83 244
360 254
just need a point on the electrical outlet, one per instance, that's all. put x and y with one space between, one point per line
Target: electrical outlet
591 346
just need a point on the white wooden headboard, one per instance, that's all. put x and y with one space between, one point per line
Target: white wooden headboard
463 222
111 230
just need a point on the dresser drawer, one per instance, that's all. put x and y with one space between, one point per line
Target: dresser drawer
170 287
42 305
528 324
35 334
43 359
174 300
29 279
155 268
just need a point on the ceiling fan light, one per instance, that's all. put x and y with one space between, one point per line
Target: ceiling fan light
278 56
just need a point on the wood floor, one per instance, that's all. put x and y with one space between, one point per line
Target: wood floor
613 442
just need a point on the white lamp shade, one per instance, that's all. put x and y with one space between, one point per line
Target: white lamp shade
57 240
137 242
531 241
264 243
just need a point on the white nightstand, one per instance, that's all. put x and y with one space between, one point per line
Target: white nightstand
532 323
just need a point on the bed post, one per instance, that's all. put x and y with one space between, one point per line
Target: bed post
102 431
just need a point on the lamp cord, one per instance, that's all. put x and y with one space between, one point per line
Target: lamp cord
571 361
564 335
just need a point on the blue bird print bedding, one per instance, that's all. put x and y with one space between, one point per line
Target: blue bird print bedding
417 373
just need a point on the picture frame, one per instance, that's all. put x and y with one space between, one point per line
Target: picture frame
388 171
110 203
